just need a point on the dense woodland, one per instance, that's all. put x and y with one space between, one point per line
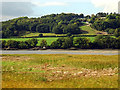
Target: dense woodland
61 24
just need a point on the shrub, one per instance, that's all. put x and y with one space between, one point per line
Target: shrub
40 35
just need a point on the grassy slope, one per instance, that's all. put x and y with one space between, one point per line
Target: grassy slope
88 29
36 71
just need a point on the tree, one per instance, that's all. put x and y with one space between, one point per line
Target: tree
41 28
31 43
54 45
3 43
12 44
82 43
58 29
117 32
105 42
68 42
43 43
23 45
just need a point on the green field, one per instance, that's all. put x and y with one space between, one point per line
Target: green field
59 71
48 39
90 30
44 34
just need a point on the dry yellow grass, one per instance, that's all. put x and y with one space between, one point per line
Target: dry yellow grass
60 71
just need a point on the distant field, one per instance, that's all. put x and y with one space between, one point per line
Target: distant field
44 34
59 71
48 39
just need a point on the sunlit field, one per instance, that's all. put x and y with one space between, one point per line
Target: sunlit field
59 71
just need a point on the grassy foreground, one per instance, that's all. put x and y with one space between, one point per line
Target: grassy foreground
59 71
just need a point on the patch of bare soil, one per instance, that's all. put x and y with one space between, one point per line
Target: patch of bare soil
63 72
15 58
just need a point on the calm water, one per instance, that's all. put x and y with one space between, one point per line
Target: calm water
81 52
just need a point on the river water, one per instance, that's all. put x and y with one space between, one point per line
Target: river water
79 52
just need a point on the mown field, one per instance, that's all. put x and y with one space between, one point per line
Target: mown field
48 39
44 34
59 71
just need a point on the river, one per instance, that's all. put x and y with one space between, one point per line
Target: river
80 52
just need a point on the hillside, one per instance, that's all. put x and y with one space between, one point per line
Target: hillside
57 24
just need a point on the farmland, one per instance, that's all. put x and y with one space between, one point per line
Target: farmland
59 71
49 40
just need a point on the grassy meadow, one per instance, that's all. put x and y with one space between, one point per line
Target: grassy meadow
89 30
59 71
48 39
44 34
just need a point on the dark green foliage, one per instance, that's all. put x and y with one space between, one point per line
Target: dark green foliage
42 28
69 34
31 42
43 43
105 42
40 35
82 43
3 43
23 45
62 43
117 32
12 44
107 24
19 44
56 23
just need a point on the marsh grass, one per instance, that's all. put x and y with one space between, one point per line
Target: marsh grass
59 71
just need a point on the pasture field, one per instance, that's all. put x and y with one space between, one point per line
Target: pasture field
44 34
59 71
48 39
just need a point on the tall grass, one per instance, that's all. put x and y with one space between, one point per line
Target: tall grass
33 71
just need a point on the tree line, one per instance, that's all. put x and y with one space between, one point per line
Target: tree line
100 42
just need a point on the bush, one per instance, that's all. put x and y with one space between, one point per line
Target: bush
40 35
